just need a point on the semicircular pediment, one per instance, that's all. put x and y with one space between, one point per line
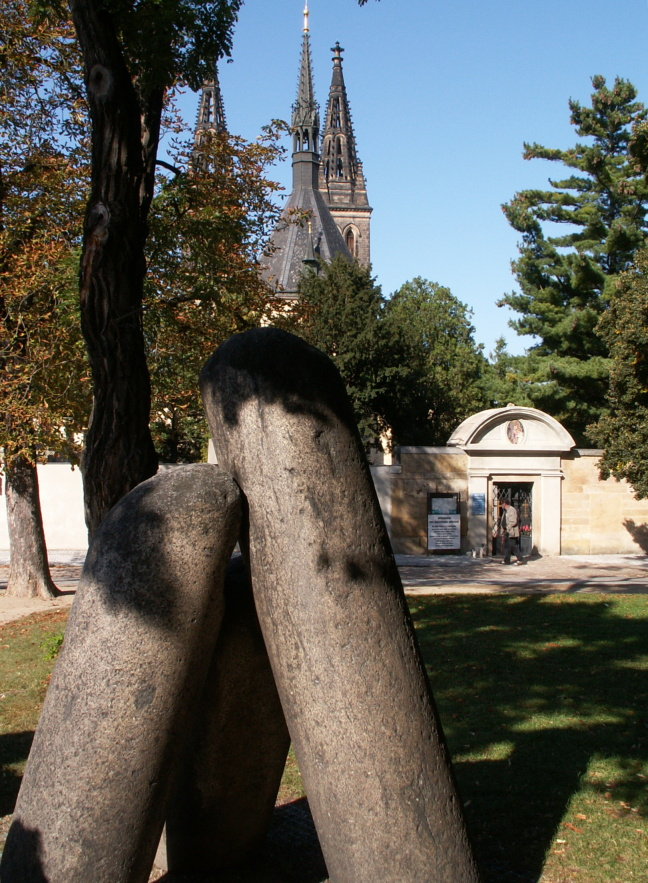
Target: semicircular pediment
512 429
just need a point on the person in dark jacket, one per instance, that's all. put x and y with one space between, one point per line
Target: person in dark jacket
510 526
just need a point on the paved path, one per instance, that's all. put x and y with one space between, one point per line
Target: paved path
568 573
619 574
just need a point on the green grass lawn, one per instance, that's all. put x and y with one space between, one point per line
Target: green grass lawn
544 702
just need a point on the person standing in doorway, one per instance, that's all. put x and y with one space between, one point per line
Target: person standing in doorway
510 526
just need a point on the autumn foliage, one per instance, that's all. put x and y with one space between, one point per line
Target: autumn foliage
42 186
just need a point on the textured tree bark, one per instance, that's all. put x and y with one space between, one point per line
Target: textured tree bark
119 451
331 606
29 574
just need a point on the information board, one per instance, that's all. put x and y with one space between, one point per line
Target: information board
444 532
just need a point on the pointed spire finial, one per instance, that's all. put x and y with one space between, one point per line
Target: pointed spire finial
305 117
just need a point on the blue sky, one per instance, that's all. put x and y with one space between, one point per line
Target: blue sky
443 95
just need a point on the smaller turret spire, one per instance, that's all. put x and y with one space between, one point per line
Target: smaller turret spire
305 116
211 113
210 119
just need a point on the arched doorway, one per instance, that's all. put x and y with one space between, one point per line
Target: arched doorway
520 496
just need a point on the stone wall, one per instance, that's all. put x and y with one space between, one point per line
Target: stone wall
61 495
421 471
599 517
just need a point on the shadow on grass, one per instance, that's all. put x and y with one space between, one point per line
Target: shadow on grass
530 690
291 854
14 750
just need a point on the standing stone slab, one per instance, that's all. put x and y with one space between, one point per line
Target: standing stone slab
138 645
227 788
333 613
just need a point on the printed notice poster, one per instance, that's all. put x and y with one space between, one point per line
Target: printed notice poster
444 532
478 504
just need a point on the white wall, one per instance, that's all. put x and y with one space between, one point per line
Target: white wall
61 493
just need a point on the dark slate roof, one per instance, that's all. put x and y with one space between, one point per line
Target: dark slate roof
306 219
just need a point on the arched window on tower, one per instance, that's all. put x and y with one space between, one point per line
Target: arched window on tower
339 151
207 109
335 114
305 141
350 239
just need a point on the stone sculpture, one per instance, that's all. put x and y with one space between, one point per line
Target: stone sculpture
164 680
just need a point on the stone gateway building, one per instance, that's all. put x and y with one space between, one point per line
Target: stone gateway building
448 499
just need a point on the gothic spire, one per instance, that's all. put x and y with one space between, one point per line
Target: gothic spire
306 232
305 112
211 113
339 160
341 177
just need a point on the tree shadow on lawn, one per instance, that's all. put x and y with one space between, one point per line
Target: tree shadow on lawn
542 684
14 749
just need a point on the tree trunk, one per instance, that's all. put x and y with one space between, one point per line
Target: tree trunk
29 574
119 452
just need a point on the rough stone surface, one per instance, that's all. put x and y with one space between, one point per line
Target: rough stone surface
139 640
333 614
226 792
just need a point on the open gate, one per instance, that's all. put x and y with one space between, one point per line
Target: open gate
520 496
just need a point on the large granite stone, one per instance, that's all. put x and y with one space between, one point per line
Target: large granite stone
332 610
124 694
227 787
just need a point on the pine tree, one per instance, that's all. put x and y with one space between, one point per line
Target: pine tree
623 433
566 281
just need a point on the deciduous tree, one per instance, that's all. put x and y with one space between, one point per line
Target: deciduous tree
133 55
566 279
42 183
440 381
208 225
505 378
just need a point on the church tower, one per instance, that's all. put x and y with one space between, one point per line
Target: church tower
210 119
211 113
341 178
306 230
